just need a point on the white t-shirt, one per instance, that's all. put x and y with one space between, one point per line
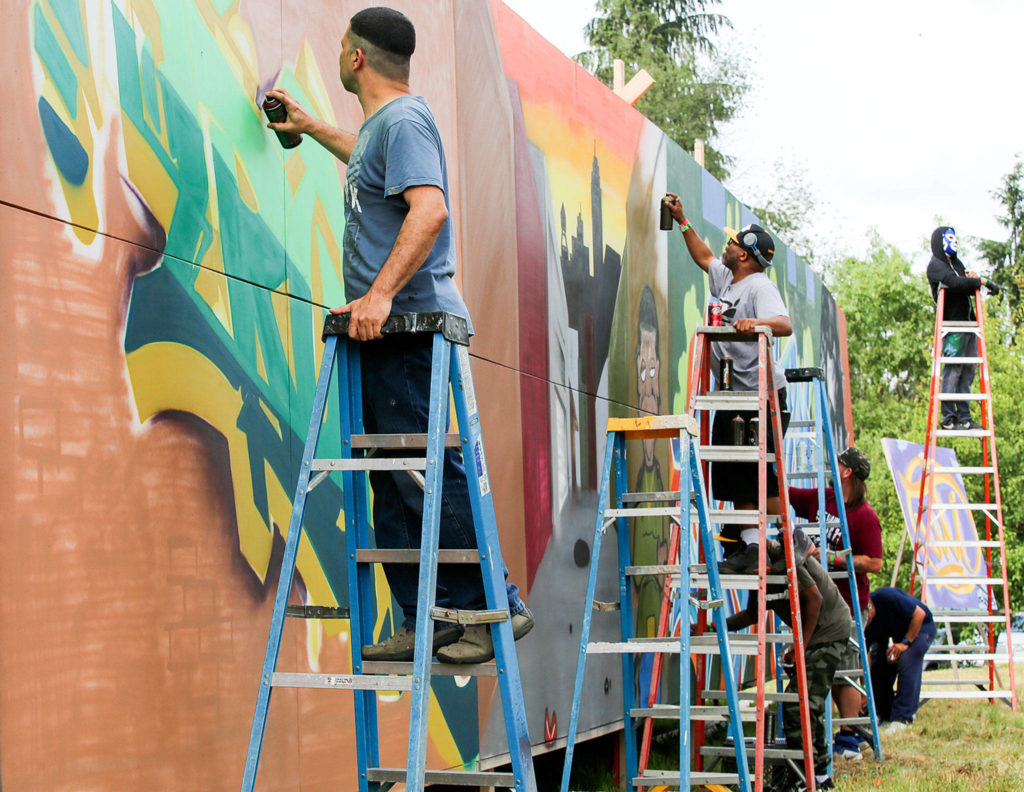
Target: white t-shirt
754 297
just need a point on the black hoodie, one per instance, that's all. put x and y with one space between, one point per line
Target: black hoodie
949 270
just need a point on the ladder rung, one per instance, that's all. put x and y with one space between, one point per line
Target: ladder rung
948 658
673 778
964 469
652 569
456 616
728 400
801 425
397 775
936 580
936 694
394 556
654 425
373 463
963 432
948 682
965 543
967 615
697 713
643 511
395 441
751 695
652 497
805 474
733 454
961 360
739 516
965 507
738 582
606 607
851 721
316 612
743 644
769 753
436 668
340 681
958 325
961 397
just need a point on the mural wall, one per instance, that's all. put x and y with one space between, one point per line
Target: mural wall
165 269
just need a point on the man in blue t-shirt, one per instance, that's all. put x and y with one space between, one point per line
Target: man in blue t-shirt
400 258
894 615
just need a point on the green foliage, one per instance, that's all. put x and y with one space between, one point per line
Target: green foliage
1005 257
672 39
788 208
890 318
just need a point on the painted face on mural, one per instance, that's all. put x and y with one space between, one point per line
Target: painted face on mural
648 371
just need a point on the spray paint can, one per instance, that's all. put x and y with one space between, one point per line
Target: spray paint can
753 437
276 112
666 214
725 373
738 430
715 314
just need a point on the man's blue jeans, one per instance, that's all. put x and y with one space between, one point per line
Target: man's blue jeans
900 705
396 400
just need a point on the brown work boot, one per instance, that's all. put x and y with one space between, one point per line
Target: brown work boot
401 646
475 646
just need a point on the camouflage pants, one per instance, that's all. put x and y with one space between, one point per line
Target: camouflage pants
821 660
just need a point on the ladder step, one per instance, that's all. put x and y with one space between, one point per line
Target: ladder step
732 454
372 463
652 569
963 432
967 615
397 441
654 425
769 753
850 672
643 511
456 616
954 580
937 694
950 325
674 777
806 474
397 775
727 400
737 582
979 469
739 644
865 721
739 516
965 507
961 360
697 713
948 682
751 695
436 668
965 655
316 612
340 681
375 556
961 397
672 496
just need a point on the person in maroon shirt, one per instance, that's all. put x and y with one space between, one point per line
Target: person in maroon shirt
866 546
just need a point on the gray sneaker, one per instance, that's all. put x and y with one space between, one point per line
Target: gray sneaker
401 646
522 623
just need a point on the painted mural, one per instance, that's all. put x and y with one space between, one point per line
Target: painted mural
166 266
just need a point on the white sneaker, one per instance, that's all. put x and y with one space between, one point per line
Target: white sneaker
894 726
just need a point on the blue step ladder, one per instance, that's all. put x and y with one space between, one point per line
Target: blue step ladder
450 372
817 436
683 506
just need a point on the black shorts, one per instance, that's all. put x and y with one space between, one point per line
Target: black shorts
737 481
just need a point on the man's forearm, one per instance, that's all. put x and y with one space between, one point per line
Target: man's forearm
337 141
915 625
867 564
415 239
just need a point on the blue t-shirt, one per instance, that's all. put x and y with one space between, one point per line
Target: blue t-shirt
397 147
893 611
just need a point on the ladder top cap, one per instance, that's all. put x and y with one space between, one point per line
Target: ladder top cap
654 423
454 328
805 374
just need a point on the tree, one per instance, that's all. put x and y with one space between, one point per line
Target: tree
1007 258
672 39
787 210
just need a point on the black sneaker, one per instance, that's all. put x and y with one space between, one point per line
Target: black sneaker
969 426
948 424
741 562
802 547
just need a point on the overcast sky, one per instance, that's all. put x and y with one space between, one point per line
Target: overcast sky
898 111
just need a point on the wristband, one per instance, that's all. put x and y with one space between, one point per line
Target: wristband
686 227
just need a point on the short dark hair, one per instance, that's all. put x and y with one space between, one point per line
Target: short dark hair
387 38
647 319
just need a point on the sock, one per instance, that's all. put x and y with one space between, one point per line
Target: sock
749 535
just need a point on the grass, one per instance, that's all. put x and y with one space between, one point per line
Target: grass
955 745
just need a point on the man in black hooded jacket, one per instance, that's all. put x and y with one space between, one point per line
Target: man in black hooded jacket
946 270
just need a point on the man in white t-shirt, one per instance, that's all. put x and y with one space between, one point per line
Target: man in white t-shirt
749 298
